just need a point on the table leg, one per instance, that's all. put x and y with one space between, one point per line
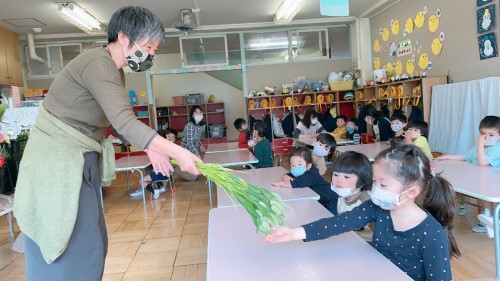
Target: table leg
142 186
128 182
11 226
210 192
497 239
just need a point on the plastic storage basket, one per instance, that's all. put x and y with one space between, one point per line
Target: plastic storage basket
217 131
179 100
341 85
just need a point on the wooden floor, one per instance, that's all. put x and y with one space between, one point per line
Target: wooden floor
167 239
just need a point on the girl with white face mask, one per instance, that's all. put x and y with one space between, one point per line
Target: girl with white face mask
417 238
191 133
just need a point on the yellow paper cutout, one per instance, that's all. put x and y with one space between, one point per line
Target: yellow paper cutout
395 27
385 34
389 69
409 26
142 93
410 67
419 19
376 63
436 46
376 46
399 67
423 61
433 23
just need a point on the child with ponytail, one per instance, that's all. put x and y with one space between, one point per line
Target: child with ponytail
412 210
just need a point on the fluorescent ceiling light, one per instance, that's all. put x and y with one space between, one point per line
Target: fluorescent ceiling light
272 44
287 10
80 18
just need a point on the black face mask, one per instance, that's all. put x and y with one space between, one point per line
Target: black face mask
140 60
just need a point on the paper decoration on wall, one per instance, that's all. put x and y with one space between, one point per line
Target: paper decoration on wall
423 61
385 34
399 67
487 46
376 46
389 69
419 19
376 63
482 2
486 18
436 46
393 48
434 21
409 26
395 27
405 48
410 67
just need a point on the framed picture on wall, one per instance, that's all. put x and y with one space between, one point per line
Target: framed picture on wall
482 2
486 18
487 46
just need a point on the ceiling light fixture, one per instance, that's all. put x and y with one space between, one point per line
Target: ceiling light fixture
287 10
80 18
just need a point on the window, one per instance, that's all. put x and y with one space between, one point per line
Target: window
203 51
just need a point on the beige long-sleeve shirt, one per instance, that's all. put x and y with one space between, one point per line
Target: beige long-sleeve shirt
89 95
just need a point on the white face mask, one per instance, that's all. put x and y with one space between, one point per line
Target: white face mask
415 135
490 142
251 143
319 150
198 117
369 121
396 127
385 199
314 121
344 192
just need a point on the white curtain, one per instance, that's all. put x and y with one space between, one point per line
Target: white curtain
457 110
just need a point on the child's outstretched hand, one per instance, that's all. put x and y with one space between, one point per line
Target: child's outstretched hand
281 234
281 183
287 179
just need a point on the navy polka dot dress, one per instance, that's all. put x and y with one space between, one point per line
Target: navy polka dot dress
421 252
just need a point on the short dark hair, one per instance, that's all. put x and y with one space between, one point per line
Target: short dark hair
399 116
351 162
261 128
328 140
191 112
136 23
239 122
490 122
169 131
353 120
369 110
310 113
421 125
343 117
304 153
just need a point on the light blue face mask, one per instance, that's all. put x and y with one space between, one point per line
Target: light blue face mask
490 142
298 170
349 129
319 151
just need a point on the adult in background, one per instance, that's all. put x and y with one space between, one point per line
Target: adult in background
380 122
58 205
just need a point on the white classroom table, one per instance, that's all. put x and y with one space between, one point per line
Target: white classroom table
229 158
224 146
371 150
263 178
482 182
307 140
132 164
236 252
6 208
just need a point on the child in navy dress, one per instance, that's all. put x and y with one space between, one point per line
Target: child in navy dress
416 237
303 173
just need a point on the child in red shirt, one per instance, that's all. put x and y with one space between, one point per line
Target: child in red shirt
241 125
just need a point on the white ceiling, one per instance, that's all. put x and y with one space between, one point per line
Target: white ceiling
212 12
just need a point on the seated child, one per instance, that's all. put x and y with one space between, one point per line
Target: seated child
398 124
352 130
309 125
262 149
304 174
486 152
169 134
351 179
417 135
241 125
341 131
324 145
